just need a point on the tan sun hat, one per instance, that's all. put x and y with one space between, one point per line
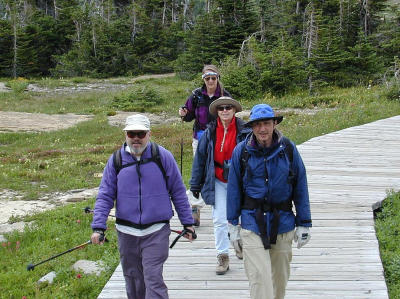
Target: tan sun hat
224 101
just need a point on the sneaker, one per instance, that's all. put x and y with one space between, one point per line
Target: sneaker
196 215
223 264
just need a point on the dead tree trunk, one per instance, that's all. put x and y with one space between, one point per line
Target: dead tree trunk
365 16
164 12
134 22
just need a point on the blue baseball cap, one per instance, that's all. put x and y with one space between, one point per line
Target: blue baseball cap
262 112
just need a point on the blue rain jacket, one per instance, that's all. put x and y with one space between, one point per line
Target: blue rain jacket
275 190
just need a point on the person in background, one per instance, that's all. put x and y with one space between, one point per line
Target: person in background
267 176
143 196
197 108
211 167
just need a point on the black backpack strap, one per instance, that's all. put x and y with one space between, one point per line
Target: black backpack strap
155 157
117 160
196 96
288 148
155 154
244 157
289 153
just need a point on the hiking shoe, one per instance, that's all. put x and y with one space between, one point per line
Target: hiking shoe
238 246
223 264
196 215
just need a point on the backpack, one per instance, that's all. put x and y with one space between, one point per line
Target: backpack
155 157
244 157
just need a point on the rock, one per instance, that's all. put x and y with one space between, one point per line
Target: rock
2 239
3 87
7 228
89 267
49 277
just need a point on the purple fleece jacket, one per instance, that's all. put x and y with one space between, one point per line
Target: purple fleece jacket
142 199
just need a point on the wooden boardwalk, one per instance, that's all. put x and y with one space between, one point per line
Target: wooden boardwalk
347 171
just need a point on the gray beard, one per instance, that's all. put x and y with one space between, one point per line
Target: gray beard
137 151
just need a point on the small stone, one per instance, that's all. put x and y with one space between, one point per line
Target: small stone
49 277
89 267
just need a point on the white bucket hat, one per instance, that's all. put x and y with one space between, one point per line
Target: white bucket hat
137 122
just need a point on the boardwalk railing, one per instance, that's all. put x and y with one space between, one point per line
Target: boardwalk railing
347 172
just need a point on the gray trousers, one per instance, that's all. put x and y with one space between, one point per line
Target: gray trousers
142 260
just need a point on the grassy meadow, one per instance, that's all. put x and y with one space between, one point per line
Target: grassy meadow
35 164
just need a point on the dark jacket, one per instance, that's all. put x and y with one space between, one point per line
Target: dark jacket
276 190
203 172
197 105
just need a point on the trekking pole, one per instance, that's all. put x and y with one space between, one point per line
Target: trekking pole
89 210
181 154
183 107
181 233
31 267
181 147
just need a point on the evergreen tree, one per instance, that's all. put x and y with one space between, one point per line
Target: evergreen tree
364 63
6 48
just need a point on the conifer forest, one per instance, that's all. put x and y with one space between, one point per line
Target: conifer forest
274 45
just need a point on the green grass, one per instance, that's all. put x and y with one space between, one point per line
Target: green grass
54 232
387 227
38 163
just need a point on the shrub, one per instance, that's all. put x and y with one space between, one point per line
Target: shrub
393 91
240 81
138 99
388 233
18 85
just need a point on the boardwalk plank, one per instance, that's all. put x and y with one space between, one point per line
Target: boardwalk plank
347 171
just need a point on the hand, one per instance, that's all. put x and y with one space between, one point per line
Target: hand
191 236
98 237
196 194
182 111
234 232
302 236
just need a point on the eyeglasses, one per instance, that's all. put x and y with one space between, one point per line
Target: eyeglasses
222 108
212 78
140 134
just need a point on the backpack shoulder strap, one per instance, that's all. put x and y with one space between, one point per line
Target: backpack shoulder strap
155 157
244 157
289 153
288 149
155 154
196 95
117 160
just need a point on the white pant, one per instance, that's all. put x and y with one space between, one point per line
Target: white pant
219 218
198 202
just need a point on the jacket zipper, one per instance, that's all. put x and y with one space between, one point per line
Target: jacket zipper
140 193
223 140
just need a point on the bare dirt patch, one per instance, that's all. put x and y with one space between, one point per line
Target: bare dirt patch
30 122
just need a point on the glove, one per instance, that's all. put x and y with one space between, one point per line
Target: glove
302 236
196 194
234 237
234 232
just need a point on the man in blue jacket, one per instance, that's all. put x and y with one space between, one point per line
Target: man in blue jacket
267 176
143 192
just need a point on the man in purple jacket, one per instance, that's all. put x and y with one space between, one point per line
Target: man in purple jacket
143 196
